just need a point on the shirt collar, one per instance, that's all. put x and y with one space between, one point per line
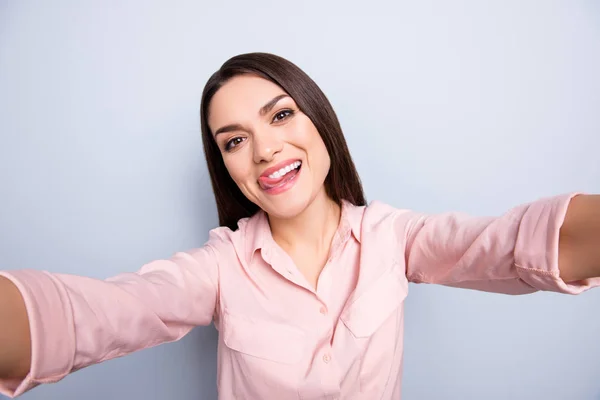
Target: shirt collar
352 215
257 231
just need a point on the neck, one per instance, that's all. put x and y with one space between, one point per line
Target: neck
312 230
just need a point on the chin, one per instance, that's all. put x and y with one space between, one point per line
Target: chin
285 205
287 208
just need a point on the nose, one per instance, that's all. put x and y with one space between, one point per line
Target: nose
266 145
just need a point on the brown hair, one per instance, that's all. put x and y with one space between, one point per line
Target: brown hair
342 181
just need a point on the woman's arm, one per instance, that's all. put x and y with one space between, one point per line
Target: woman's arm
75 321
579 243
531 247
15 339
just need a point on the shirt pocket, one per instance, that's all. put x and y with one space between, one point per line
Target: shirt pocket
375 305
263 339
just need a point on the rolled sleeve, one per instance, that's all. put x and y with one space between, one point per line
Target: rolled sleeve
537 245
51 323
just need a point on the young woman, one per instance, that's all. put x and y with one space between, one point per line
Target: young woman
303 280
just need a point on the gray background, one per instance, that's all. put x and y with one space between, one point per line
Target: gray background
468 106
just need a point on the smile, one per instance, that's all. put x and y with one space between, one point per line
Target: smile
285 170
280 180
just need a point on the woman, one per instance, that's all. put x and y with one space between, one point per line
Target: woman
304 282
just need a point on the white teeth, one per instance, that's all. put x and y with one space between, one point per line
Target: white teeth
285 170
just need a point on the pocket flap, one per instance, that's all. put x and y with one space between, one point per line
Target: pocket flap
263 339
372 308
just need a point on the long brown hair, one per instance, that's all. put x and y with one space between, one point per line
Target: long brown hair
342 181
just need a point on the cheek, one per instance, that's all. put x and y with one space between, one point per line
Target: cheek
326 161
306 134
236 169
319 151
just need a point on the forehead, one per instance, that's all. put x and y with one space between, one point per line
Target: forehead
240 98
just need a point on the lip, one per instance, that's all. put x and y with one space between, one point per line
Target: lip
278 166
285 185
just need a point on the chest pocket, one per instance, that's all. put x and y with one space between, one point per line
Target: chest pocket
374 306
263 339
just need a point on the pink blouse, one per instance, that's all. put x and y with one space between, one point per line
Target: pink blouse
279 338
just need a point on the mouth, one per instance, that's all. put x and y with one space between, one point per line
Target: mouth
281 179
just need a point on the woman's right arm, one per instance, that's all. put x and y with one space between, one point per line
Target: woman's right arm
15 339
54 324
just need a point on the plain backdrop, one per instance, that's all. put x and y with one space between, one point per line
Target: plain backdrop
465 105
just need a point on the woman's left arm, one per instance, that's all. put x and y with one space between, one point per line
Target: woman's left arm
551 244
579 239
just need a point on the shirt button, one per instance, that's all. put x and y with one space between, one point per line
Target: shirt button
323 311
326 358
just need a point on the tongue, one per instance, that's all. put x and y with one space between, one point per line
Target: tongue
268 183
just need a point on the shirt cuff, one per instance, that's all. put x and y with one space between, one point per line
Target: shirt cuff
536 249
52 333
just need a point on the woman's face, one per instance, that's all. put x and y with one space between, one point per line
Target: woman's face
271 149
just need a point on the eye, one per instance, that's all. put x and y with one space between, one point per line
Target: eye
281 115
231 144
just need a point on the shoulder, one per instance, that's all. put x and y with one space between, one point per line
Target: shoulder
223 237
378 212
226 234
225 241
380 218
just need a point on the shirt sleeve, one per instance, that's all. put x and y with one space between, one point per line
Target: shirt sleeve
77 321
516 253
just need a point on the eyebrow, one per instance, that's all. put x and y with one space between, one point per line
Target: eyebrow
263 110
269 106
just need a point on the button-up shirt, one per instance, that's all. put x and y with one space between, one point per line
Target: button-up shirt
280 338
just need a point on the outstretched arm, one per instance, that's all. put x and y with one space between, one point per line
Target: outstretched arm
550 244
54 324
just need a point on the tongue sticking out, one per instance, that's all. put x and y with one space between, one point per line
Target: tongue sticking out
269 183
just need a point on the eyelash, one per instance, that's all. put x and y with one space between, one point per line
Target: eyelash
229 145
287 114
288 111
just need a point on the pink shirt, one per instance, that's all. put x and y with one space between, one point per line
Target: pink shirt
278 338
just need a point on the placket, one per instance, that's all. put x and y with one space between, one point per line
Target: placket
284 266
